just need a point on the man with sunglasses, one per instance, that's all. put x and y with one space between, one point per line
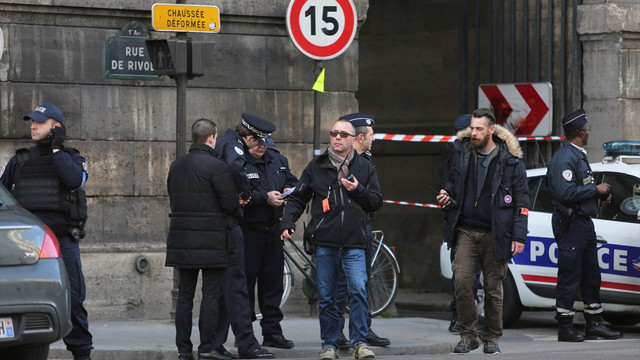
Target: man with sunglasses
576 198
343 189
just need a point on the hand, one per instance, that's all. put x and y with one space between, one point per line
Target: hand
274 198
57 136
286 233
516 248
244 202
349 185
443 198
603 189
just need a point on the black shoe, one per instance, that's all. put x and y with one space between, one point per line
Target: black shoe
374 340
213 354
185 356
491 347
466 345
227 353
277 341
259 353
83 357
454 326
567 333
343 342
594 329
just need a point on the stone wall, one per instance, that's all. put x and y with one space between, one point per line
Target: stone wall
55 52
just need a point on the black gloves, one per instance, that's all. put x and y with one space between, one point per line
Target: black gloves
57 136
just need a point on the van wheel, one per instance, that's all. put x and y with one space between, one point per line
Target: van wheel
621 318
511 305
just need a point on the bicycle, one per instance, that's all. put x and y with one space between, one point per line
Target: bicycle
383 278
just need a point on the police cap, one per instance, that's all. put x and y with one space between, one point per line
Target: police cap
44 112
462 122
574 121
257 125
360 119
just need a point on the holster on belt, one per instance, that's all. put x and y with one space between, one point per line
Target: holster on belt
566 216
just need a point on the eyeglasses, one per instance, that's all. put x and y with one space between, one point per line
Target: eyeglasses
343 134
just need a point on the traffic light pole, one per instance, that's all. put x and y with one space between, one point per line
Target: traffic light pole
317 123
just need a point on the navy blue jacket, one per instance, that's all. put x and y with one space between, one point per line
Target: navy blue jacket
345 223
269 173
509 191
570 181
234 152
73 173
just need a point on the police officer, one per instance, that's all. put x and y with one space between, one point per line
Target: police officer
269 175
575 198
46 179
362 143
233 147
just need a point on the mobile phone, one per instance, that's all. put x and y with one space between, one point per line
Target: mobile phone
350 177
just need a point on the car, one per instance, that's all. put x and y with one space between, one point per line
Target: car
35 298
532 276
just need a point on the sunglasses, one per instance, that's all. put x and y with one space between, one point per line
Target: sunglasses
343 134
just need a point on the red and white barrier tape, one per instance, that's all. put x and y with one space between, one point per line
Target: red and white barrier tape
433 206
450 138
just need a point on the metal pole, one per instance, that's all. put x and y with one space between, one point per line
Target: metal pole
316 114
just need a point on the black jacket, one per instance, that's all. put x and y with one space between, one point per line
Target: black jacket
234 152
269 173
509 191
203 203
344 224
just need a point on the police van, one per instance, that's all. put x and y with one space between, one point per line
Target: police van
531 280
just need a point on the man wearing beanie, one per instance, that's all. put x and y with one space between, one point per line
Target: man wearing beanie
576 198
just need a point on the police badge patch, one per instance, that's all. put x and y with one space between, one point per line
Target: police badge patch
238 150
567 175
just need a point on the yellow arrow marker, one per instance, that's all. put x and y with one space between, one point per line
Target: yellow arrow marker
319 85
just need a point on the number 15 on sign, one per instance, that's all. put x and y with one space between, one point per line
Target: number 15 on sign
322 29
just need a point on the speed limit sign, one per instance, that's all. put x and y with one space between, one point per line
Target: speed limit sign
322 29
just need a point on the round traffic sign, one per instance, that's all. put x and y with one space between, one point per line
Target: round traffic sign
322 29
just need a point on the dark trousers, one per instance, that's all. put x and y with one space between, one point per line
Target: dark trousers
264 262
578 267
235 299
211 293
79 341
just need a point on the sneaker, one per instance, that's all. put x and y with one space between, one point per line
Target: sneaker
361 351
328 353
491 347
374 340
466 345
343 342
454 326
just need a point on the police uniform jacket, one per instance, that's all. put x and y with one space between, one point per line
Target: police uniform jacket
234 152
343 223
72 173
204 203
570 181
509 191
269 173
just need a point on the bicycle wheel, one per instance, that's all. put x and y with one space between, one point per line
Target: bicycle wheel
383 281
287 281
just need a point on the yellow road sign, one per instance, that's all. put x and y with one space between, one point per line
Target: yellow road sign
185 18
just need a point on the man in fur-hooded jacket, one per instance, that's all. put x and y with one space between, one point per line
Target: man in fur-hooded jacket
486 199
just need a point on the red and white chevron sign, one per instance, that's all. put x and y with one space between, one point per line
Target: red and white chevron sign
525 109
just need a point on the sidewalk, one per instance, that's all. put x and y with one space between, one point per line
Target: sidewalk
155 339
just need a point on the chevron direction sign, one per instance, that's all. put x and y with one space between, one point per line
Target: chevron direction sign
524 109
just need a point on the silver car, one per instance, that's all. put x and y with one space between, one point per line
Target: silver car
35 300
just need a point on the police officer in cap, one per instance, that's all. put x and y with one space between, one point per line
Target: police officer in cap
32 174
269 175
233 147
576 198
362 143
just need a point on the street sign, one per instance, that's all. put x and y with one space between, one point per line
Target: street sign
322 29
185 18
524 109
126 55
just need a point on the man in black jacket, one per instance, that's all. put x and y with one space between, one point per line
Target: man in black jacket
486 198
204 204
343 189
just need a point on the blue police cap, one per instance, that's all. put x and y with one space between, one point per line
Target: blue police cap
360 119
574 120
257 125
44 112
462 122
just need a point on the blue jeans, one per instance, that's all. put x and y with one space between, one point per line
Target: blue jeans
328 261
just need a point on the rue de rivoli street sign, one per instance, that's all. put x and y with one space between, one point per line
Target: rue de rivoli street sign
126 55
322 29
185 18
